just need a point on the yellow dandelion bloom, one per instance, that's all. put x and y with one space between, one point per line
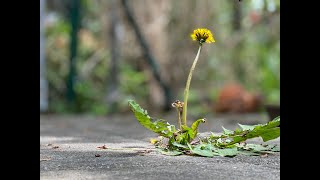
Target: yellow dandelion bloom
202 35
153 140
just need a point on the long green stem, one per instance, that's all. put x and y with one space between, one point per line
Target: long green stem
186 91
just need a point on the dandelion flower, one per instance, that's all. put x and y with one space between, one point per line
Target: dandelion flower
202 35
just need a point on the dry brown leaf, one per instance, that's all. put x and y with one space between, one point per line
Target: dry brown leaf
102 147
264 155
45 159
143 152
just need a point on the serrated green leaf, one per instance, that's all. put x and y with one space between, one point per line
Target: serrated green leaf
180 145
171 128
276 148
266 131
276 119
195 124
237 131
188 134
270 134
249 153
202 150
226 131
256 147
212 136
265 134
158 126
169 153
270 148
171 141
274 123
246 127
228 152
184 137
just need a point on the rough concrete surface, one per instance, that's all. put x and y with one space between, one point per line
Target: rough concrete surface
68 150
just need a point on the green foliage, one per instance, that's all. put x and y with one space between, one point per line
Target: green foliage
132 82
158 126
266 131
169 152
195 125
92 72
228 151
162 127
226 131
229 144
202 150
188 134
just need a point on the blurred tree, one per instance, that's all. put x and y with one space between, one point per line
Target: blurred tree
238 68
149 57
112 95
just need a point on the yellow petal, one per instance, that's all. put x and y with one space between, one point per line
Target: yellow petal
153 140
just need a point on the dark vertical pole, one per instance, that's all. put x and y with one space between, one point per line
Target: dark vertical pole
112 86
75 8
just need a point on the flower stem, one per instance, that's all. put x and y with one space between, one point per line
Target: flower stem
179 118
186 91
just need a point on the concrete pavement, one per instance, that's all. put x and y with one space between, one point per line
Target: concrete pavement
68 150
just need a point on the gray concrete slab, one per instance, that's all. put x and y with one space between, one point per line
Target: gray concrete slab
68 150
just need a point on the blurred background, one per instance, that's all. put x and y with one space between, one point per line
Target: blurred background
97 54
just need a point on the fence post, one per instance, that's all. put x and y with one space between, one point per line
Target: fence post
75 19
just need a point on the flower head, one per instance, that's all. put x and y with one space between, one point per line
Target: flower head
177 104
202 35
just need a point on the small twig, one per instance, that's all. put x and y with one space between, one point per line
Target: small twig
45 159
102 147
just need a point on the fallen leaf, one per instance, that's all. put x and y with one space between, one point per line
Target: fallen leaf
55 147
143 152
188 152
102 147
264 155
45 159
97 155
